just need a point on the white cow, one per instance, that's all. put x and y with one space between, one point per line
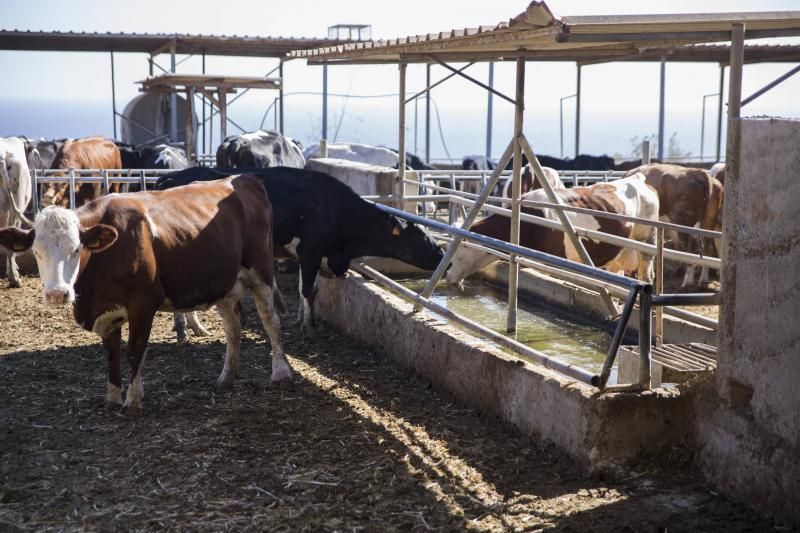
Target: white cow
15 193
363 153
629 196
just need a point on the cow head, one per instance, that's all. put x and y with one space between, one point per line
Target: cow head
59 244
410 244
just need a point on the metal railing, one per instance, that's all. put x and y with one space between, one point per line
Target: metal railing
629 289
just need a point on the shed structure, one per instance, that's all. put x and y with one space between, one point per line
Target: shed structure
537 34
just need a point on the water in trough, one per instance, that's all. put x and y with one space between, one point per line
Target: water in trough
553 332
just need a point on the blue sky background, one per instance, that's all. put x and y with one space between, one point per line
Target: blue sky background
69 94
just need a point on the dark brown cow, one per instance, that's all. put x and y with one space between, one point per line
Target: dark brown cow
121 258
91 152
689 197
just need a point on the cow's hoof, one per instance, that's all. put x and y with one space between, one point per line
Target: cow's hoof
14 284
225 381
326 272
113 406
132 410
281 375
200 332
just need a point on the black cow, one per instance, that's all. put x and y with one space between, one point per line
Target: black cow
329 220
413 161
477 162
582 162
259 149
41 154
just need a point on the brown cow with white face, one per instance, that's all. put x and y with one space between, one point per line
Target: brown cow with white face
689 197
121 258
90 152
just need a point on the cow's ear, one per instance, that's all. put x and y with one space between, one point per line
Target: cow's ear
397 226
16 240
98 238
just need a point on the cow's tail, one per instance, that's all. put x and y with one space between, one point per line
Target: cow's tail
6 179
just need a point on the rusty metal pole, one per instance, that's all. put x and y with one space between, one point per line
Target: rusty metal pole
516 189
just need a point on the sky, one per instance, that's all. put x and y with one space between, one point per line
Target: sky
71 92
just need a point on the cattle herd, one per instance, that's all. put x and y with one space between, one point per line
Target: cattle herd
207 235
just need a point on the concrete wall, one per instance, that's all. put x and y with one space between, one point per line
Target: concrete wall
599 431
749 426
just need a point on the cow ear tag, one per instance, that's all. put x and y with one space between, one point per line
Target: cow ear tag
396 231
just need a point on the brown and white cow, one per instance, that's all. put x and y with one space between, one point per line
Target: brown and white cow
90 152
528 183
121 258
630 196
689 197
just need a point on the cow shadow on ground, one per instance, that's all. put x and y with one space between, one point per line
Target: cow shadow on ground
352 441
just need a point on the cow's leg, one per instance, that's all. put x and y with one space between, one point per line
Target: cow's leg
264 296
12 272
112 344
140 326
308 277
179 326
194 324
232 323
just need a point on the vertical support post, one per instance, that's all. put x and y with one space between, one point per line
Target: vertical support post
645 334
324 100
489 112
659 284
222 95
280 95
150 65
646 152
578 113
203 99
113 97
190 140
661 91
173 100
416 121
703 129
719 111
428 114
516 190
401 141
734 104
323 148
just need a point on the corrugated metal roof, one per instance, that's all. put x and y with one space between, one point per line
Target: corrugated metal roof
538 34
232 45
208 81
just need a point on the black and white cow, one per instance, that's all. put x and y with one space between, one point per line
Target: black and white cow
260 149
327 220
40 153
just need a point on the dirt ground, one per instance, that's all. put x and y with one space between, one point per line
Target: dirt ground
354 443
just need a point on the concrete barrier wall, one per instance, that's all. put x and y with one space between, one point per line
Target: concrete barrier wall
750 427
599 431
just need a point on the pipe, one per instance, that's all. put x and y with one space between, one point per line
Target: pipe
113 96
280 95
461 234
399 187
552 363
325 100
661 93
578 113
709 298
516 192
645 311
619 334
489 112
428 115
719 111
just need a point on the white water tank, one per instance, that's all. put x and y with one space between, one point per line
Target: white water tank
146 119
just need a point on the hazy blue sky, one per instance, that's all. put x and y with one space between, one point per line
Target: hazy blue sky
624 95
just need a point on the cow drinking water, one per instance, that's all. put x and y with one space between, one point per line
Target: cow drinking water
630 196
121 258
